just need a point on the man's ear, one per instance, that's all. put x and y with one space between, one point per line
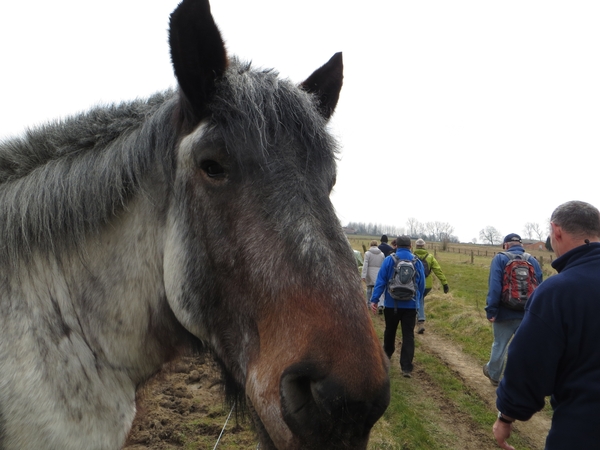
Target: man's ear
557 231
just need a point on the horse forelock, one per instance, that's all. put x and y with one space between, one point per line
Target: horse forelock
63 179
256 113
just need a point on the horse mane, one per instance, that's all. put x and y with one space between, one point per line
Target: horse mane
67 178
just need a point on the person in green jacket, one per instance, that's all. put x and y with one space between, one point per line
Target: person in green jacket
431 266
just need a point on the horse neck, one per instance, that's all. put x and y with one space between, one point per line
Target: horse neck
110 291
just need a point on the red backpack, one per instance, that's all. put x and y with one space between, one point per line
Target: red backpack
518 282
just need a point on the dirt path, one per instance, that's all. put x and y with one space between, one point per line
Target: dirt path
469 371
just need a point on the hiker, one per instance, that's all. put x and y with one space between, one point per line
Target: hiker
373 260
555 351
505 318
430 266
400 312
384 246
358 258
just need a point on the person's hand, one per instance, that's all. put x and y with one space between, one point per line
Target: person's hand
493 319
374 307
446 289
501 432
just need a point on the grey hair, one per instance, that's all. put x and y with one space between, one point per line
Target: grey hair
577 218
255 110
67 178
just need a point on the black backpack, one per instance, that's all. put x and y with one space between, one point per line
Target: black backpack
426 267
403 286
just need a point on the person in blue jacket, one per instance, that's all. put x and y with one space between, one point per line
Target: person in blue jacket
399 312
556 350
505 321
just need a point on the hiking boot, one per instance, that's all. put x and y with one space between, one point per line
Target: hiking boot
421 328
380 309
406 374
487 374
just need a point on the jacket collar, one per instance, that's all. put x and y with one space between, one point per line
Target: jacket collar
575 254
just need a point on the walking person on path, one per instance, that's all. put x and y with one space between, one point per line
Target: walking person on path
505 320
373 261
400 312
431 266
384 246
555 351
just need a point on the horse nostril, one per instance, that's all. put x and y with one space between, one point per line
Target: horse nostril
318 409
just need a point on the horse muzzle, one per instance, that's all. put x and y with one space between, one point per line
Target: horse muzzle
323 414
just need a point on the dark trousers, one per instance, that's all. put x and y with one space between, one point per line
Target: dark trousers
406 319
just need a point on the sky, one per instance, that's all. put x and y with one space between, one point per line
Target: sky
472 113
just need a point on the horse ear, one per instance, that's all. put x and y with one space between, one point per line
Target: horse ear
326 83
197 52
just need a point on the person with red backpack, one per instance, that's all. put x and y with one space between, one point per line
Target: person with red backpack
555 351
514 274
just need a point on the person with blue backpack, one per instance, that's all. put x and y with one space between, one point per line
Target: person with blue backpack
514 274
401 279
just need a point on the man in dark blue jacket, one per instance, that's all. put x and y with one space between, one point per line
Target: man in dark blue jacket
505 321
399 312
556 350
385 247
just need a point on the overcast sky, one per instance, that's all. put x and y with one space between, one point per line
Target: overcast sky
473 113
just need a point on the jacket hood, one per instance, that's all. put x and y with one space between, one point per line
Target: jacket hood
374 250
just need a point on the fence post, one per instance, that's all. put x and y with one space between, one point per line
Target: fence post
472 257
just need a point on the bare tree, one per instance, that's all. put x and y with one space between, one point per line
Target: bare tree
489 235
538 231
430 231
439 231
528 230
414 228
444 230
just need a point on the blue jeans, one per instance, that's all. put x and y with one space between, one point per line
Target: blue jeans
503 332
421 310
369 294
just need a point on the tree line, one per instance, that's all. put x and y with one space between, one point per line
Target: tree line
430 231
490 235
442 231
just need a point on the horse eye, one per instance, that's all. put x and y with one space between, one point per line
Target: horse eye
212 169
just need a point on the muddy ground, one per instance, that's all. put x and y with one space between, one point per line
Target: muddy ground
188 392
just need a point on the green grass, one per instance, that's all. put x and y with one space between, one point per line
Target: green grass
413 420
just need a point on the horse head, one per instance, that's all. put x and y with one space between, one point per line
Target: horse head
256 263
